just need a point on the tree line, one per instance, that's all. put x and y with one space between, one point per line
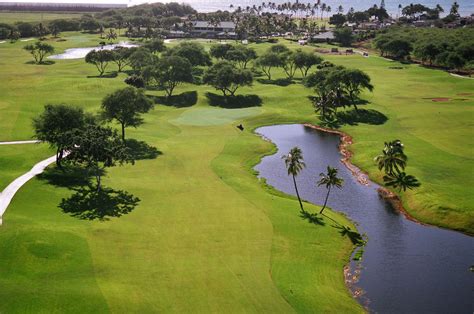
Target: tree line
141 16
448 48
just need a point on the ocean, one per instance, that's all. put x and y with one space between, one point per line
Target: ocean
466 6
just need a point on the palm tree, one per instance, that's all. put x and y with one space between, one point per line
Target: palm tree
401 181
392 158
294 164
323 9
329 179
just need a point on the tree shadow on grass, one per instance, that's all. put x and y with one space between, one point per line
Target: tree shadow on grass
186 99
278 82
69 176
234 102
313 218
112 74
44 62
141 150
90 204
355 237
367 116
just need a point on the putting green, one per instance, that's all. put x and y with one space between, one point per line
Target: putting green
211 116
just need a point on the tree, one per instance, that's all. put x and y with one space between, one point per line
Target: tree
288 64
455 61
219 51
344 36
155 45
401 181
304 61
359 17
393 159
39 50
100 58
40 30
121 56
193 52
111 35
140 58
126 105
454 11
97 148
241 55
329 179
398 48
135 81
88 23
14 35
225 77
171 71
427 51
337 20
55 31
325 103
268 61
354 81
330 90
26 29
52 126
294 164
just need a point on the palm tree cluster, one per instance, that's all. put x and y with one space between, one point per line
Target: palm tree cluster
393 162
292 9
295 163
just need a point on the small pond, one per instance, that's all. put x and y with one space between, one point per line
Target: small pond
406 267
79 53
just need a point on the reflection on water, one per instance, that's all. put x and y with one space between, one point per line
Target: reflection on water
406 267
79 53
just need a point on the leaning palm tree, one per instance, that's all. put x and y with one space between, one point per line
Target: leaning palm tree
329 179
401 181
392 159
294 164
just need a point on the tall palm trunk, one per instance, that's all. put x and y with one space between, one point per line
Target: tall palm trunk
298 194
325 201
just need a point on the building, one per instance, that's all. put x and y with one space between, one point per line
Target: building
206 29
323 37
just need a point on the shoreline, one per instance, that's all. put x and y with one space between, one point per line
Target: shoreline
391 197
350 278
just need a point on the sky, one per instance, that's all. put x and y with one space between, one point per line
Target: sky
467 6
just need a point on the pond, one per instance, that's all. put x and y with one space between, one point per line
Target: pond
406 267
79 53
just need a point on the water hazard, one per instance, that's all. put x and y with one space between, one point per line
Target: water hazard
406 267
79 53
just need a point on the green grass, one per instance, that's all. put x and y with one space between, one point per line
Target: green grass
207 236
15 17
18 159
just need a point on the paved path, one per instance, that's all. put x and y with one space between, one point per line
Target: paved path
9 192
20 142
460 76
